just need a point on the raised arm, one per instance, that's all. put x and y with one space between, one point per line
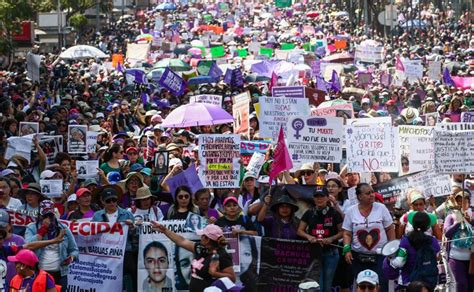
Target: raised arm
176 238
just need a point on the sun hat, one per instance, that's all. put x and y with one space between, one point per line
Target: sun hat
284 199
213 232
304 167
24 256
368 276
143 193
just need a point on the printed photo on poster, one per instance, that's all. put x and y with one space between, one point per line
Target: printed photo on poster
431 119
249 247
28 128
51 188
87 169
161 162
77 139
194 222
156 259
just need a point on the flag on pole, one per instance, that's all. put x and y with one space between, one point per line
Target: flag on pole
145 98
281 157
119 67
335 82
447 78
399 65
273 81
321 84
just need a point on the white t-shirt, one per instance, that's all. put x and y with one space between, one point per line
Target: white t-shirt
49 260
112 217
368 233
14 204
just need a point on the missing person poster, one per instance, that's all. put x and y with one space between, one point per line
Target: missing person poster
87 168
219 156
51 146
28 128
76 143
52 188
161 162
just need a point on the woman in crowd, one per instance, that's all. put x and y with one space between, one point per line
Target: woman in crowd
248 251
182 205
130 186
367 227
202 199
5 195
54 259
321 225
85 208
111 159
32 197
282 223
410 246
144 209
215 262
233 221
458 229
248 191
64 160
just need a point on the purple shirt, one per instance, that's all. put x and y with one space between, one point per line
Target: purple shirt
14 240
28 282
282 230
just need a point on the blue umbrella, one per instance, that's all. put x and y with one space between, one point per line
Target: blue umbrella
202 80
414 24
166 6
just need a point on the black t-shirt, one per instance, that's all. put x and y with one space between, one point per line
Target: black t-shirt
322 223
200 278
179 216
241 223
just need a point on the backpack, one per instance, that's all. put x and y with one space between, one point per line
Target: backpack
426 267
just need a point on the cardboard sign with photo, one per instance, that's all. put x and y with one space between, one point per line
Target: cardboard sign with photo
28 128
161 162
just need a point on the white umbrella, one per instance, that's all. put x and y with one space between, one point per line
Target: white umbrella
82 52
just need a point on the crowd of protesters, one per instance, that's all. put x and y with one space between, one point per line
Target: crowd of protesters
131 187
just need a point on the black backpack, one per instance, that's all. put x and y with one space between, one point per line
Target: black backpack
426 267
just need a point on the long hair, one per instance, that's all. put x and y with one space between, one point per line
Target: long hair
342 195
109 153
421 223
174 208
249 277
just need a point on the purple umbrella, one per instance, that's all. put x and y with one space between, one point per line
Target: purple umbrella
197 114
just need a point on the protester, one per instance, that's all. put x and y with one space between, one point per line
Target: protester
367 280
182 205
282 223
144 209
233 221
210 252
202 199
85 208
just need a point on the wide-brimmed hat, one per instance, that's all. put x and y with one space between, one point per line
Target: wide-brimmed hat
284 199
143 193
304 167
409 114
123 183
31 188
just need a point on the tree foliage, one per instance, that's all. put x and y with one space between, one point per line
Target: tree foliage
12 12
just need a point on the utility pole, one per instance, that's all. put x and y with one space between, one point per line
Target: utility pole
60 45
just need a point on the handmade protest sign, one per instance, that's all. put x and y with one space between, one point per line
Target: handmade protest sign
431 183
240 112
434 70
91 141
33 64
87 168
219 156
19 146
29 128
207 98
51 146
454 148
372 145
248 148
289 91
52 188
369 54
101 252
314 139
276 111
416 146
76 143
413 70
339 110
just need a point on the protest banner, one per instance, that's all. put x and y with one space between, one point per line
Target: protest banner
453 148
207 98
51 146
91 141
314 139
76 143
369 54
188 178
339 110
101 252
431 183
434 70
393 191
19 146
87 168
289 91
137 52
284 264
372 145
22 217
28 128
416 145
413 70
172 82
240 112
219 156
467 117
52 188
247 148
33 63
256 163
276 111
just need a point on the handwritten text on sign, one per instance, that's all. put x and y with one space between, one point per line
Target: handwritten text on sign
454 151
315 139
372 147
219 156
416 143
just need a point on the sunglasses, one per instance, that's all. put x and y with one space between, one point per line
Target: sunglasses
183 197
113 200
307 172
366 287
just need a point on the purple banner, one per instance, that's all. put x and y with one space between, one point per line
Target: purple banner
289 91
172 82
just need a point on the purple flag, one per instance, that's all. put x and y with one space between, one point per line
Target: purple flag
321 84
215 71
447 78
172 82
228 76
145 98
335 82
119 67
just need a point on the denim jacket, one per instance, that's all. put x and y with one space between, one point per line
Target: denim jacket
67 247
122 216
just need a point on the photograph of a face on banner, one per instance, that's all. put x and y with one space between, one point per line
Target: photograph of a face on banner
161 162
77 139
158 273
27 128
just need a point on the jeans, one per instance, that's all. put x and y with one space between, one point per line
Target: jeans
329 261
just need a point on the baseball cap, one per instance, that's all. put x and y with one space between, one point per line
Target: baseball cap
7 172
24 256
100 115
81 192
230 199
114 177
416 196
47 174
365 100
368 276
146 171
90 181
250 174
108 193
4 218
323 192
72 198
131 149
212 231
